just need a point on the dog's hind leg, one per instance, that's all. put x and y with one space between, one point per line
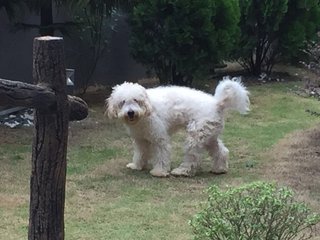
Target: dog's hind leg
191 162
141 155
219 154
200 135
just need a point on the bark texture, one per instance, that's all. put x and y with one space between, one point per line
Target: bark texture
48 177
41 97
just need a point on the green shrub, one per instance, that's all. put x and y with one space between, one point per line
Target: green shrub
273 30
181 39
255 211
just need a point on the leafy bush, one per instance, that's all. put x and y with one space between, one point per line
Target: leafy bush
313 51
299 26
179 39
273 30
254 211
312 84
259 23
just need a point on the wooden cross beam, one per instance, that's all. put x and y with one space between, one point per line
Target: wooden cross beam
53 110
41 97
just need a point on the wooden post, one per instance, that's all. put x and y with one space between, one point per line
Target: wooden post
48 177
54 110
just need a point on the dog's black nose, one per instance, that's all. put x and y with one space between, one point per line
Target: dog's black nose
130 113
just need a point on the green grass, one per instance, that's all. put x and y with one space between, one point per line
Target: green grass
88 157
104 200
275 112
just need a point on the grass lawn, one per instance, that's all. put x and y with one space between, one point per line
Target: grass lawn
104 200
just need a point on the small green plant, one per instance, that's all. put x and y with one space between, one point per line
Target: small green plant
255 211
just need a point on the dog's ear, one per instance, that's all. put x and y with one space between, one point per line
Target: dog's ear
147 106
111 108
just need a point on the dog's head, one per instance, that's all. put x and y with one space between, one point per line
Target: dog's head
129 102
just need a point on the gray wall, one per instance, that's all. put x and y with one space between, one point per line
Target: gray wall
15 51
115 66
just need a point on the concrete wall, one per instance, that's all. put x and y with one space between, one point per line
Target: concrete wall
115 66
15 51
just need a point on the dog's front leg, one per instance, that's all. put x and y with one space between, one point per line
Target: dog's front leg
161 158
141 155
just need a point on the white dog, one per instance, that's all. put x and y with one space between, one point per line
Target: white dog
152 115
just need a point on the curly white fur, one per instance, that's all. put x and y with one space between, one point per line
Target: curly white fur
152 115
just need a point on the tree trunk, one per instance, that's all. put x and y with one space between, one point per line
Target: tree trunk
47 184
179 78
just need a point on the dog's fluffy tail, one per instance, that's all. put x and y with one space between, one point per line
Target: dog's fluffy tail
232 94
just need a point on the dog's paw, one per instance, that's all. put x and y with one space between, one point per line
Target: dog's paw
133 166
183 172
219 171
159 173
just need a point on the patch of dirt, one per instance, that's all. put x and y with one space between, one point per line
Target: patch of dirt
295 162
22 135
12 201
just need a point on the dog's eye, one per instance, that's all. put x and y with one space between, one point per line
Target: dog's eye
136 100
122 103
